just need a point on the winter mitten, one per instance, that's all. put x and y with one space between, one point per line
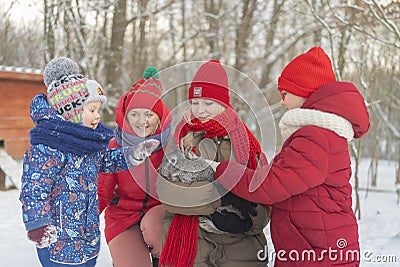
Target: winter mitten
243 205
144 149
232 222
137 154
37 234
43 236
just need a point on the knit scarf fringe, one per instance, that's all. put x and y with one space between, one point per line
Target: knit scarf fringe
180 250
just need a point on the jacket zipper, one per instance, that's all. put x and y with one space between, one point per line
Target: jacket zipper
146 173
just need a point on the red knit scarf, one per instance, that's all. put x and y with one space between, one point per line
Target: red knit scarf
180 246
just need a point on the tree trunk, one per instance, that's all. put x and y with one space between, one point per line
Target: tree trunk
243 33
49 31
113 57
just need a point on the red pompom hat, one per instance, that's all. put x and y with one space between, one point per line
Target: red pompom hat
211 81
145 93
306 73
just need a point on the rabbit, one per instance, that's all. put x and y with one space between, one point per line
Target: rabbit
186 167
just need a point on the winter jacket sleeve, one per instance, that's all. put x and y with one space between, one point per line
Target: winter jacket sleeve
106 187
115 160
40 169
302 164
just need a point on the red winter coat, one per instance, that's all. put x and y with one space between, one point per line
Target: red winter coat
130 186
308 186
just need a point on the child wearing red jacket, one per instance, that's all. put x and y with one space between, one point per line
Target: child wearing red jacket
307 184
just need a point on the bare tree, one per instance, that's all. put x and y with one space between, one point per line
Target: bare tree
113 41
243 33
113 56
49 30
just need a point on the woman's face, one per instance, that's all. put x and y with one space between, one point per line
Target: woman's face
143 122
291 101
205 109
91 114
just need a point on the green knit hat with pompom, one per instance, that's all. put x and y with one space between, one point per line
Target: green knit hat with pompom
151 72
146 92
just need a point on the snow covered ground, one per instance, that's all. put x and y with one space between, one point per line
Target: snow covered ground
379 226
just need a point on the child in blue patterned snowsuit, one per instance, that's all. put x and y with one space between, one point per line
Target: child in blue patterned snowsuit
60 169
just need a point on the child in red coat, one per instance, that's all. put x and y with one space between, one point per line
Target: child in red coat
307 184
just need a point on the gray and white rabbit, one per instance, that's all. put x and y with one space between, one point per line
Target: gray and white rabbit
187 168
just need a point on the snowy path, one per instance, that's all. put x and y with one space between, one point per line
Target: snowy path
379 227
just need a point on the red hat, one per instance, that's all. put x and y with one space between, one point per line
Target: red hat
211 81
145 93
306 73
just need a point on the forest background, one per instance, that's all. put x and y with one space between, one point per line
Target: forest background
114 41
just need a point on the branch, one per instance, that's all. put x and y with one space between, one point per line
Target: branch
147 15
391 126
373 36
385 21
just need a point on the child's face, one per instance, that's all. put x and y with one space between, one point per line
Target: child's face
91 114
143 122
205 109
291 101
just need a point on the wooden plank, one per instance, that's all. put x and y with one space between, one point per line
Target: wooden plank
16 147
6 134
15 108
21 76
19 99
16 91
16 122
15 88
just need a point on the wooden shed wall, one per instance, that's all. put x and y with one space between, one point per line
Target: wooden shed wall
16 92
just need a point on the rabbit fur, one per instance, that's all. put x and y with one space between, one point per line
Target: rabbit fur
186 167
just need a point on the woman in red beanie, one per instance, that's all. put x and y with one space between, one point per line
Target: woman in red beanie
213 130
307 185
133 217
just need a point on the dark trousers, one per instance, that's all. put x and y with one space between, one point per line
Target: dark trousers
44 257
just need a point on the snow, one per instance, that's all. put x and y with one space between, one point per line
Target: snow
379 226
